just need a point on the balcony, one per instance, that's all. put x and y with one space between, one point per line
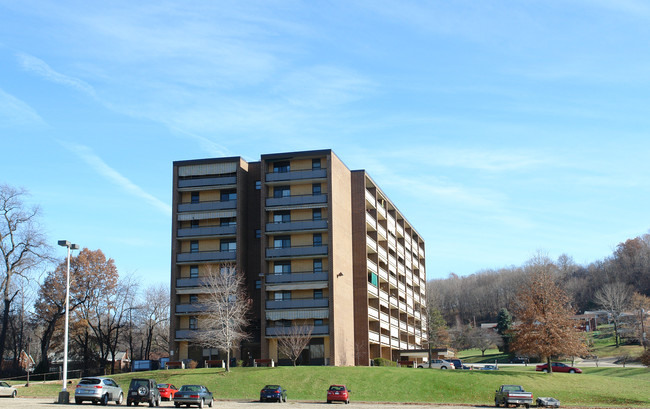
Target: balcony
297 200
189 282
281 331
372 266
297 303
296 251
385 339
381 231
206 256
299 175
296 277
370 198
373 313
207 206
370 221
373 336
296 225
371 244
207 231
206 182
185 334
373 291
190 308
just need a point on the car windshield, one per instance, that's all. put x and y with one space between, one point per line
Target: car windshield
272 387
512 388
89 381
163 385
337 388
139 382
190 388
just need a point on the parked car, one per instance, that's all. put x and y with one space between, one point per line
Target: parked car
490 368
197 395
273 392
167 391
7 390
458 364
438 364
98 389
519 360
558 367
338 393
508 395
143 390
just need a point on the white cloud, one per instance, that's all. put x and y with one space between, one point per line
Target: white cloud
17 113
41 68
115 177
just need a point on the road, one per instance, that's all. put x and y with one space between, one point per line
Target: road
41 403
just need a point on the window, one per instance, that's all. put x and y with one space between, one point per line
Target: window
258 184
315 164
258 233
316 214
318 266
194 298
318 294
318 322
318 240
228 221
227 195
195 197
282 323
194 323
281 191
282 267
282 242
194 224
282 295
228 245
194 271
281 167
258 284
194 246
282 217
372 278
315 189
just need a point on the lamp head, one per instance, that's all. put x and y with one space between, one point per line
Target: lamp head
64 243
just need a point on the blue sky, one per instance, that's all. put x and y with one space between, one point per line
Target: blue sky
498 128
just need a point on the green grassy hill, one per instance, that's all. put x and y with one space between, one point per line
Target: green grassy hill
596 387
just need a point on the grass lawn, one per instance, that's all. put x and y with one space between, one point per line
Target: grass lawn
596 387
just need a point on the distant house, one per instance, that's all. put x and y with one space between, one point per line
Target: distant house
25 361
489 325
121 362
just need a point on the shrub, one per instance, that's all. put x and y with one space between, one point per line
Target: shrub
384 362
193 364
645 358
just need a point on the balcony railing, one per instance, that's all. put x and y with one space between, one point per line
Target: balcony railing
185 334
207 231
296 251
189 282
297 303
209 181
190 308
297 225
206 206
296 277
206 256
296 200
280 331
306 174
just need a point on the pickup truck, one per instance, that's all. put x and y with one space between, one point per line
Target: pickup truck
512 395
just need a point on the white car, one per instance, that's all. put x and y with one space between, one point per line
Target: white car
438 364
7 390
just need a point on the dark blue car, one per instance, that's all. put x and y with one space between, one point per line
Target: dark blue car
274 393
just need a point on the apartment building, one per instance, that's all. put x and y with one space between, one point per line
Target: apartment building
319 245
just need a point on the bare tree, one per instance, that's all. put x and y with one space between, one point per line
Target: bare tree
545 327
225 308
22 247
484 338
155 312
295 339
641 306
614 298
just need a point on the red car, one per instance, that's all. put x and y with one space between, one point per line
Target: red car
167 391
558 367
338 392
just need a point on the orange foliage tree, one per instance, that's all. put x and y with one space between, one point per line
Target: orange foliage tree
543 316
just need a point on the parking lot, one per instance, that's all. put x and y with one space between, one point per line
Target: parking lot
33 403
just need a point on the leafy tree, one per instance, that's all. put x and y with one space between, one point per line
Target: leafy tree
294 341
225 305
614 298
645 358
544 313
437 328
504 328
23 247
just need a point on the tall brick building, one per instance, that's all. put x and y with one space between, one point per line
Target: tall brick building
319 244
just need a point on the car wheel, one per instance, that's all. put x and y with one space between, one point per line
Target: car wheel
77 401
178 405
572 371
211 402
158 401
13 394
329 401
201 404
496 402
261 400
526 405
128 402
347 401
545 370
104 400
119 399
443 367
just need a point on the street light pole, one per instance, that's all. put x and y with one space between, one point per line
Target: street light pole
64 395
